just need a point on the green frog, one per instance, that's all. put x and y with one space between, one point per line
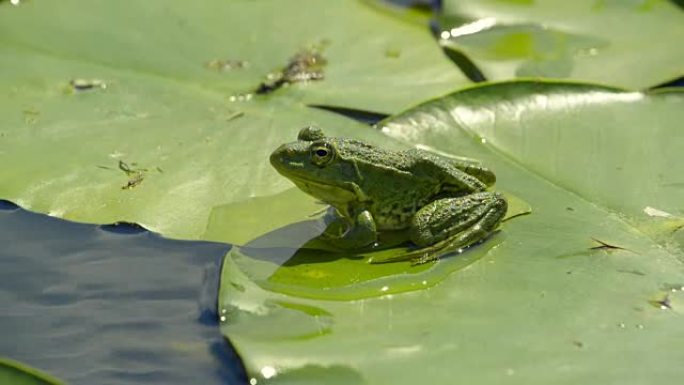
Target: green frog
442 204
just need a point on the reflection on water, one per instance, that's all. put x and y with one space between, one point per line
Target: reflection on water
110 304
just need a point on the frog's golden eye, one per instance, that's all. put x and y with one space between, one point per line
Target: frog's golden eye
321 154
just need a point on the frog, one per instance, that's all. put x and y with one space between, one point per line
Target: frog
443 205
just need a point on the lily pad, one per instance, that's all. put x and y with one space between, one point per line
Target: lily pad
627 43
587 274
283 258
158 122
15 373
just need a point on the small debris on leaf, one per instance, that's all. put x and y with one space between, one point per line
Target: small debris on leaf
134 181
226 65
662 303
606 246
87 84
306 65
234 116
31 115
634 272
123 166
135 174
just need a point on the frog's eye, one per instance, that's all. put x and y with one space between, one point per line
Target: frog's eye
321 154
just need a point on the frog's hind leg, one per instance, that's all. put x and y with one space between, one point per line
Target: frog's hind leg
449 224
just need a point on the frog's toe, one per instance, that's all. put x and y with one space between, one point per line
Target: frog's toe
425 258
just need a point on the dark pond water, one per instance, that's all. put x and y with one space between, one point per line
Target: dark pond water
110 304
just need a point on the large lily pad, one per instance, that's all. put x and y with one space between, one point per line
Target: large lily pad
586 289
630 43
146 111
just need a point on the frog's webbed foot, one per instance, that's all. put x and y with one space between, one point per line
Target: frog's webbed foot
449 225
349 236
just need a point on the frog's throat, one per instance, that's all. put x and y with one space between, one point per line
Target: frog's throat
334 194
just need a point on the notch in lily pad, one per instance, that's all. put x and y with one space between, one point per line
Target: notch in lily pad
123 227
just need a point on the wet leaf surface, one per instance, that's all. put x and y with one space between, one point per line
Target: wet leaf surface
172 96
565 288
623 43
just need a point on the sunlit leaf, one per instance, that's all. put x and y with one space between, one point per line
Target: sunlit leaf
629 43
590 272
147 111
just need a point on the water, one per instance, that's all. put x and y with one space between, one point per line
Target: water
110 304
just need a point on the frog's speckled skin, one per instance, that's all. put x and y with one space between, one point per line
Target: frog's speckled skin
442 203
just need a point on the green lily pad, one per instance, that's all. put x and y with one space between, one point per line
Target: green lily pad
147 112
627 43
597 268
15 373
282 257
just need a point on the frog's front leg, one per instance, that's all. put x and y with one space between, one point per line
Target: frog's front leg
449 224
357 233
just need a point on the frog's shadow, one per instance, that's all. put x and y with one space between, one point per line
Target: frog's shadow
300 243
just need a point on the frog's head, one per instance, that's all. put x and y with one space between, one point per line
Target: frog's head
316 166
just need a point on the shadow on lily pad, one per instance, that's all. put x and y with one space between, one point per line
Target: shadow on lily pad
293 260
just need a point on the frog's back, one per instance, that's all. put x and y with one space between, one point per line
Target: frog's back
482 173
379 163
466 165
373 156
398 183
